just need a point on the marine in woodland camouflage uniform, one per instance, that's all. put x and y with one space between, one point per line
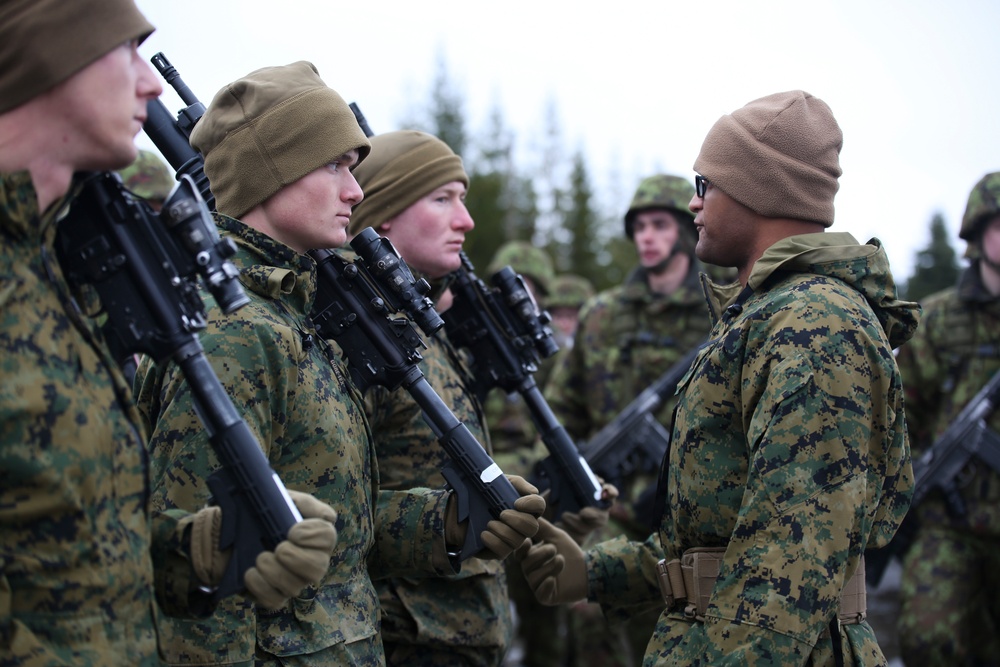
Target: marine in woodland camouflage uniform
76 573
150 178
789 447
414 195
288 383
627 338
949 603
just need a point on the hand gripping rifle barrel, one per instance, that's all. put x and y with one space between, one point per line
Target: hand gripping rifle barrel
145 269
354 305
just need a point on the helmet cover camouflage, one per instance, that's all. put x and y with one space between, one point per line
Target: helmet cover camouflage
527 260
148 177
672 193
984 202
569 291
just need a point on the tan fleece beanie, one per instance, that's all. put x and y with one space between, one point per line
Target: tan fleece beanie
268 130
778 155
403 167
44 42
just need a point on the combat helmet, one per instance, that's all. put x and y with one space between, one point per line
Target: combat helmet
569 291
984 202
527 260
661 191
148 177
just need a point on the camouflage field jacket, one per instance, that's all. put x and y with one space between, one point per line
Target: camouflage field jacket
953 355
291 388
76 578
790 451
470 609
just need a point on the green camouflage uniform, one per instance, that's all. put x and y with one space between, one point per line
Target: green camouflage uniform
76 577
462 619
949 610
950 573
291 389
789 449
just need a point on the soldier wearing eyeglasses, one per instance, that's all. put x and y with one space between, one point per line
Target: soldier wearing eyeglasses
789 453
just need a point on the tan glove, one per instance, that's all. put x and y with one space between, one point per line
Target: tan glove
554 566
581 524
299 561
503 535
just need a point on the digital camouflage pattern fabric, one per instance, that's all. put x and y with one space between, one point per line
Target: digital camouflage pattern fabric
949 609
292 390
76 578
789 448
461 619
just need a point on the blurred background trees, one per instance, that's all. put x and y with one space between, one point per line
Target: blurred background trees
551 200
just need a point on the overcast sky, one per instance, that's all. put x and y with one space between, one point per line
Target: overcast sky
636 85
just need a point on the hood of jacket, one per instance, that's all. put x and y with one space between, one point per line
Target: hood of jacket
865 267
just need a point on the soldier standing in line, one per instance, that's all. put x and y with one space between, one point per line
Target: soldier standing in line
569 293
628 337
789 453
949 610
77 573
415 188
280 148
150 178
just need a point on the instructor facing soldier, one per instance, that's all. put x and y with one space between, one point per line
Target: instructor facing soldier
789 455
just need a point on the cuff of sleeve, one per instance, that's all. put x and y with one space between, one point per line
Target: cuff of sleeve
410 533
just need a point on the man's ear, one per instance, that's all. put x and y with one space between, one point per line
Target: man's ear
384 227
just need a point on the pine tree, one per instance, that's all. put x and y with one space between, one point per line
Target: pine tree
936 265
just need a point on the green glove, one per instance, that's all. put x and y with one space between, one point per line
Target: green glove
554 566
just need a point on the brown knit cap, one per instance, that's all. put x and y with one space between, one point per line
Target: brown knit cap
44 42
403 167
268 130
779 156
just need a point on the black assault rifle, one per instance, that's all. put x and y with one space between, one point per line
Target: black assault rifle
635 440
507 335
355 302
145 268
967 437
172 135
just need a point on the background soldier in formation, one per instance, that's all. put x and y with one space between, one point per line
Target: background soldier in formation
948 593
569 293
789 453
627 337
150 178
415 196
